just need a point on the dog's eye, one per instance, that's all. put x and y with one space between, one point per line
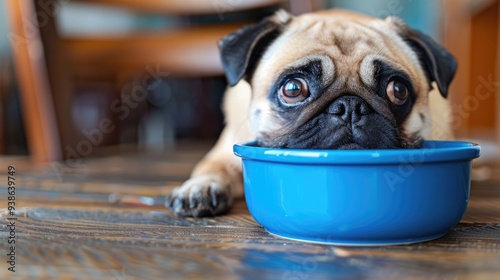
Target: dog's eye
294 90
397 92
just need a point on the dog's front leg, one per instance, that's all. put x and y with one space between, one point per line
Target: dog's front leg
216 180
214 184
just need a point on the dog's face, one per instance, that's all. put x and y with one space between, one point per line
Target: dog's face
337 80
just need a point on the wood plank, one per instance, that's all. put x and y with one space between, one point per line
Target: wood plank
484 48
187 7
94 243
184 51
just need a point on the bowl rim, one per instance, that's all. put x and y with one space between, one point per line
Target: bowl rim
432 151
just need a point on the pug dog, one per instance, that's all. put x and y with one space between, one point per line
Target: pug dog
325 80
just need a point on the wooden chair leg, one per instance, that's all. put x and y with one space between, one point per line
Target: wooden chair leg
36 99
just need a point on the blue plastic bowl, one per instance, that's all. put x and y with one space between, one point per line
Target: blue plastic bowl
358 197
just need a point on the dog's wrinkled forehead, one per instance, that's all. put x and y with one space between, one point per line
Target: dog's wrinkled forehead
346 47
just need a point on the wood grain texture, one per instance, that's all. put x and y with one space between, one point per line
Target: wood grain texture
68 229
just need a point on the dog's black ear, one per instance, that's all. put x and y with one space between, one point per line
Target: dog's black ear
439 64
241 50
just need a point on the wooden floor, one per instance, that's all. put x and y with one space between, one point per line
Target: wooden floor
69 227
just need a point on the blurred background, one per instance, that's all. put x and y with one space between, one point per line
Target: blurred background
83 78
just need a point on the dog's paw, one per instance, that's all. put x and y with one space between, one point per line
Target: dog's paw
200 196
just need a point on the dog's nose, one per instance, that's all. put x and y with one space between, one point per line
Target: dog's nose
349 108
